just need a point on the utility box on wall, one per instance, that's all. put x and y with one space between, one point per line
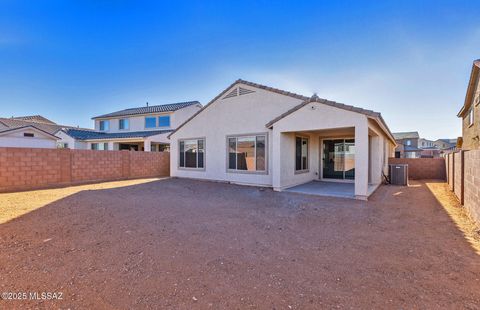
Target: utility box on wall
398 174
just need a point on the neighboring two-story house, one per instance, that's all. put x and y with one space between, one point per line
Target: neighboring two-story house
407 144
470 112
140 129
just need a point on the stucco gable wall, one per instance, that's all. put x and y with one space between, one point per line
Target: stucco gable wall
245 114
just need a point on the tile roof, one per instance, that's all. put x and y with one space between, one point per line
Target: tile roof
35 119
80 134
406 135
293 95
52 128
409 148
150 109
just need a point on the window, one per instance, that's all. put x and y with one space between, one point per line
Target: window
62 145
99 146
123 124
408 142
104 125
28 134
301 154
247 153
470 117
192 153
150 122
164 121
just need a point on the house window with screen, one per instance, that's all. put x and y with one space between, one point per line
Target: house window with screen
247 153
164 121
104 125
192 153
123 124
301 154
150 122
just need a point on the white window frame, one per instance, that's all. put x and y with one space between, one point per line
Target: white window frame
169 121
184 156
471 117
307 169
105 121
127 122
255 135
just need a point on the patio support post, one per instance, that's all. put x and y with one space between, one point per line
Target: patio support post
147 145
361 160
276 160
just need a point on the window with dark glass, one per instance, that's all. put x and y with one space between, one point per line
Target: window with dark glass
192 153
247 153
150 122
94 146
301 153
123 124
104 125
164 121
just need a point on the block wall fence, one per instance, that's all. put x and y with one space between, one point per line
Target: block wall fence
463 177
422 168
32 168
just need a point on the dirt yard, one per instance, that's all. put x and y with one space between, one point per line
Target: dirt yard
185 244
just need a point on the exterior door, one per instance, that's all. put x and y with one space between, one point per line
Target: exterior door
339 159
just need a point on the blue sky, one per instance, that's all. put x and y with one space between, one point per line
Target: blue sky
71 60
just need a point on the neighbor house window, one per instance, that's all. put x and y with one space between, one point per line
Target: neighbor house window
301 154
123 124
150 122
28 134
104 125
470 117
247 153
192 153
408 142
99 146
164 121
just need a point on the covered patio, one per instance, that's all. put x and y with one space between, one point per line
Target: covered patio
322 150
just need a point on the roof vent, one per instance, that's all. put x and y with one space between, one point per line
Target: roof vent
233 93
244 91
238 91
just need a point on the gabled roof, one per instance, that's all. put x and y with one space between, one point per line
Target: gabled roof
474 77
305 99
95 135
16 122
35 119
8 130
406 135
171 107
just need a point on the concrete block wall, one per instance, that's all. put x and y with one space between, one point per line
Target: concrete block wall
458 175
423 168
31 168
471 192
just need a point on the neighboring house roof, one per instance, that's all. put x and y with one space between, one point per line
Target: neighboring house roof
35 119
449 141
17 122
149 109
474 77
5 131
406 135
305 99
95 135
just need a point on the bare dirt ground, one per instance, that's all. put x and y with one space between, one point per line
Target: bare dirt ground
184 244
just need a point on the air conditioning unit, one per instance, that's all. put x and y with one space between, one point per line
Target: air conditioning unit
398 174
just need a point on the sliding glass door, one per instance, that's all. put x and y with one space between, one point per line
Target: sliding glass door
339 159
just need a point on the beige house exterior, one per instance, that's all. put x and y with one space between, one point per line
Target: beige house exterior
257 135
470 112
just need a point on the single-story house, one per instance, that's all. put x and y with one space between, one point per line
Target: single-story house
258 135
27 136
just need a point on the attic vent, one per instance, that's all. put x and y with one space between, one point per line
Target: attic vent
233 93
244 91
